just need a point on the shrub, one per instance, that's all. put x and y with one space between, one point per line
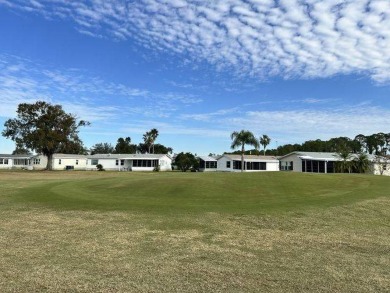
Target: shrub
99 167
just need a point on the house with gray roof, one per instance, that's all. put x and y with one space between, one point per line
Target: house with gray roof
323 162
8 161
252 163
207 163
130 162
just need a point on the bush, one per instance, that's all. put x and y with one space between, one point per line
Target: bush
99 167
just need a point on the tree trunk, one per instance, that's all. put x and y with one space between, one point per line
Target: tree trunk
242 158
49 165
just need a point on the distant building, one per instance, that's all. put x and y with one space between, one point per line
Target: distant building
130 162
323 162
207 164
252 163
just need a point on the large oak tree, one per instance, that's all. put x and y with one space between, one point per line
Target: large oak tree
43 128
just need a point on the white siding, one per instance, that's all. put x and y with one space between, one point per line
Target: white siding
5 163
76 163
297 162
221 164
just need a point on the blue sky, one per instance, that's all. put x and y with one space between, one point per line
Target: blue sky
198 70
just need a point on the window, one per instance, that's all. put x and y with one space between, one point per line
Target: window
122 162
59 161
36 161
145 163
237 165
286 166
228 164
21 162
210 165
94 162
116 162
1 162
77 162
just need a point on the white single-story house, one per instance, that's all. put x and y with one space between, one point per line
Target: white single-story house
39 162
252 163
322 162
381 166
130 162
207 163
310 162
60 162
15 161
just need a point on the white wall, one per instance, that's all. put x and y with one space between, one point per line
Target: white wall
8 165
222 161
297 162
77 163
110 165
221 164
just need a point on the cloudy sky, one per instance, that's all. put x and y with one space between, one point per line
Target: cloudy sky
197 70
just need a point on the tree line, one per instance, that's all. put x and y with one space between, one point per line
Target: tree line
375 144
48 129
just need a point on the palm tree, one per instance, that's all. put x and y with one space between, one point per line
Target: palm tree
150 137
361 162
264 141
345 162
240 139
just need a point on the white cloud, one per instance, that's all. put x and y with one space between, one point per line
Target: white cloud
90 97
305 39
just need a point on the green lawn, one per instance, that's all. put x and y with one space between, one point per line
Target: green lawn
193 232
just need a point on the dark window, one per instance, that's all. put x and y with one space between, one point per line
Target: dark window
315 166
122 162
77 162
116 162
309 166
303 165
201 164
330 167
228 164
94 162
59 161
321 166
237 165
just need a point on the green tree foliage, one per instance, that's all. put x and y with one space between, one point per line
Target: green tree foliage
102 148
158 149
242 138
378 143
149 139
44 128
186 161
21 151
72 147
264 141
124 146
345 163
361 163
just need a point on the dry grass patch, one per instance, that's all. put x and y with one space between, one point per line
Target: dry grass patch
78 251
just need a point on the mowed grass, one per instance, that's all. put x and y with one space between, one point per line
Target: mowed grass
194 232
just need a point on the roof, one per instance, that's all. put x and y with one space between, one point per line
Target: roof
127 156
323 156
250 158
207 158
71 156
8 156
